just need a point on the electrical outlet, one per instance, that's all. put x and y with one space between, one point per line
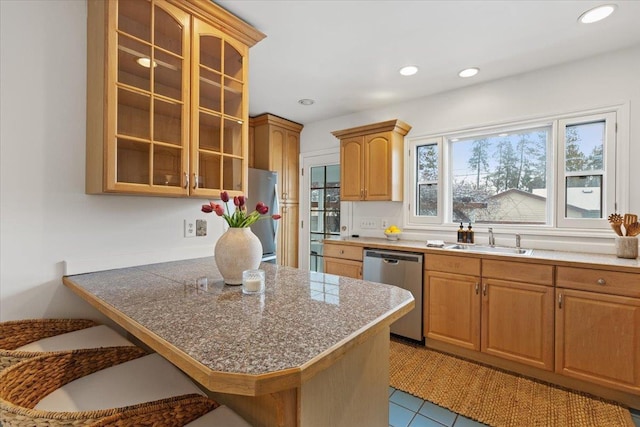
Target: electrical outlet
201 227
189 228
368 223
384 223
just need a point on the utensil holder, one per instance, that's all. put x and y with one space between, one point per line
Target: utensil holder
627 247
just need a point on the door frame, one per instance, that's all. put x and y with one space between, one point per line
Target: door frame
309 160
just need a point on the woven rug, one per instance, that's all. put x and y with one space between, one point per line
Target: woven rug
495 397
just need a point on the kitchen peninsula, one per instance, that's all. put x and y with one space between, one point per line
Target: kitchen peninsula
313 350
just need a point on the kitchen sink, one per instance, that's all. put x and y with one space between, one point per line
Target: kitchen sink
490 249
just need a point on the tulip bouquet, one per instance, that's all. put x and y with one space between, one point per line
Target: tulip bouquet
239 218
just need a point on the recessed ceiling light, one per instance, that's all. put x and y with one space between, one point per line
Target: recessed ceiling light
597 14
469 72
503 134
146 62
306 101
409 70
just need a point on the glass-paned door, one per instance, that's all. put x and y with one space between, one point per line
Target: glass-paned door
324 201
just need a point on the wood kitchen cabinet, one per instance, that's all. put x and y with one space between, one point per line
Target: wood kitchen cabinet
517 312
342 260
287 236
372 161
500 308
167 109
275 146
598 327
452 300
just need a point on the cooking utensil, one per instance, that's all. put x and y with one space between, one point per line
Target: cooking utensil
628 220
616 223
633 229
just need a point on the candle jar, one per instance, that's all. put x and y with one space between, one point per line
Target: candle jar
253 281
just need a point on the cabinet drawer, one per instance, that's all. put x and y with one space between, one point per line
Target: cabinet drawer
518 271
452 264
343 251
607 281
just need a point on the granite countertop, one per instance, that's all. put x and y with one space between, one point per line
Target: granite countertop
539 255
301 316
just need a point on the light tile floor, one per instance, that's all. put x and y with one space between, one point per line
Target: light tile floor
406 410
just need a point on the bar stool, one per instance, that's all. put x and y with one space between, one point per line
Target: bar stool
23 339
81 387
168 414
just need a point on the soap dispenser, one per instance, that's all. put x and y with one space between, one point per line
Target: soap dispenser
462 235
470 232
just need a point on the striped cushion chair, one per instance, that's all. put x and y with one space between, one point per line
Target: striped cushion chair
23 339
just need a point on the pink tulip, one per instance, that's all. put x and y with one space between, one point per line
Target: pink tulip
219 210
224 196
239 201
207 208
276 216
262 208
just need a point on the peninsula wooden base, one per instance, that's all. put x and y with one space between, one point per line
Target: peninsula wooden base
352 391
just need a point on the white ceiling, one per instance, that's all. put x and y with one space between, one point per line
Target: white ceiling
346 54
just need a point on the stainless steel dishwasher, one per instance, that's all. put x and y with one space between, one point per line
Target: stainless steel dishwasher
402 269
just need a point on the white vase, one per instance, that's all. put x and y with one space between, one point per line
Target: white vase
237 250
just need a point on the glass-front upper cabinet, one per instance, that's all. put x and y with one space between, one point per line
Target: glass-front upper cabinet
166 98
220 135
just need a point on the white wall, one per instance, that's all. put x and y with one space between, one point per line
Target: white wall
45 216
600 81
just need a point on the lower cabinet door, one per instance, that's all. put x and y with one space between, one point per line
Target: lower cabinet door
517 322
452 309
598 338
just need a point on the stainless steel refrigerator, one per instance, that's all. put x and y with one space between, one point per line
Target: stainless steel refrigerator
262 187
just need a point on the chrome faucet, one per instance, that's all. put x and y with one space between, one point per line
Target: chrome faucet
517 241
492 240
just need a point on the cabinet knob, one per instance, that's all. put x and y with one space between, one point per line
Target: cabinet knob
601 281
341 251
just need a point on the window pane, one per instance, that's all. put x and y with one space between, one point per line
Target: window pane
427 180
583 196
428 199
500 178
317 177
317 199
333 176
584 144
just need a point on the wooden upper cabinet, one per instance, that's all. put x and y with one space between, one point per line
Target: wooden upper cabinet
351 169
371 159
276 147
167 106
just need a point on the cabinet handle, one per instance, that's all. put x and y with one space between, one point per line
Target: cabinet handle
559 300
186 180
365 193
361 193
477 288
341 251
284 196
484 289
601 281
195 181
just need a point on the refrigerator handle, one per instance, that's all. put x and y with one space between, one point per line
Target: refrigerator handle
276 209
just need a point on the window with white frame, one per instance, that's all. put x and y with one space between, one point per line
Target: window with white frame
557 172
